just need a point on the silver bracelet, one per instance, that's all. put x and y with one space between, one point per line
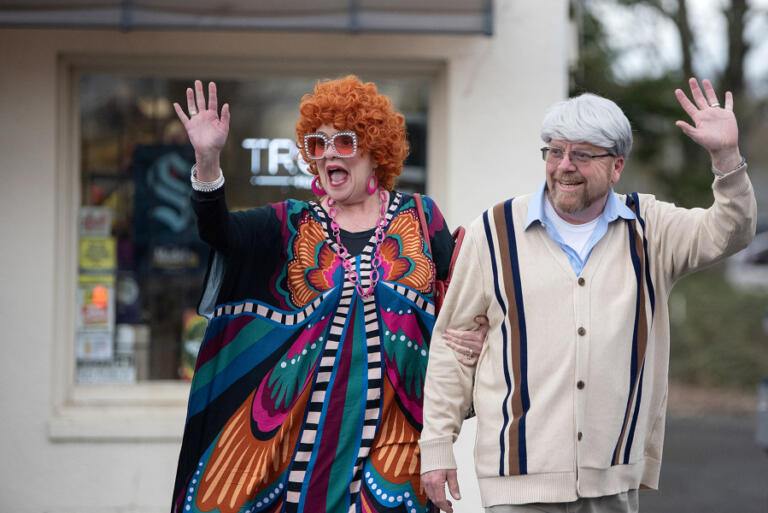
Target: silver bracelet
201 186
719 173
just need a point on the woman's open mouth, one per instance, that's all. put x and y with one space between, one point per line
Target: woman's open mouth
337 175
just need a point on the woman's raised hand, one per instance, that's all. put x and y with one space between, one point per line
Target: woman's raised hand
207 130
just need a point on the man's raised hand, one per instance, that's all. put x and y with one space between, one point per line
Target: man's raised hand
714 127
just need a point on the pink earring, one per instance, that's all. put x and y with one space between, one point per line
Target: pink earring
316 187
372 187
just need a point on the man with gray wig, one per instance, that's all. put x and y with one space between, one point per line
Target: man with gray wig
570 389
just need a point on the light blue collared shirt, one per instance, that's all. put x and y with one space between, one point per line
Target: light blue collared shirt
613 210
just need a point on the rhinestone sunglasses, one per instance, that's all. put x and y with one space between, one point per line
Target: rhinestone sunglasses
344 144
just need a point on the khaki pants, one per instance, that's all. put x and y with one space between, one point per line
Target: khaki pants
625 502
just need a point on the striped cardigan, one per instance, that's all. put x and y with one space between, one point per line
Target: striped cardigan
571 386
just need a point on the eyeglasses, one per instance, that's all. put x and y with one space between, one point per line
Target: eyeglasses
577 156
344 144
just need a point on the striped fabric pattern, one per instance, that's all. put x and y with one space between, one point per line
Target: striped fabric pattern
296 479
506 270
373 397
638 246
499 230
415 297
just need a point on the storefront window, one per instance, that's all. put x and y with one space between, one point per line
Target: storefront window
141 264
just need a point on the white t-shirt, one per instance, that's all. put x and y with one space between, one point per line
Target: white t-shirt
575 236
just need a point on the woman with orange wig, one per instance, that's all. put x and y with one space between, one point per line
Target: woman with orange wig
307 394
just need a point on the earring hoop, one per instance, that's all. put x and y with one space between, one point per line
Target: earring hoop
316 187
371 188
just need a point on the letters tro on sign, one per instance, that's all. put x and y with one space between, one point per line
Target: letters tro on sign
284 165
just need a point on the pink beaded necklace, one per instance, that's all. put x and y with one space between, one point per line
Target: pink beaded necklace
354 277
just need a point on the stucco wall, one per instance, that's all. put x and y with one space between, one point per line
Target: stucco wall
69 450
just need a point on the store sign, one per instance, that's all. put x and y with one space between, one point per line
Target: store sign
165 236
284 165
167 179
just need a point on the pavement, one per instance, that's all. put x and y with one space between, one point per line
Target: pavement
711 464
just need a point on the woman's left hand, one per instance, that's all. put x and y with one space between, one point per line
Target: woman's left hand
467 345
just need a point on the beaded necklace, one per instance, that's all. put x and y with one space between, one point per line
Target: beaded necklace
354 277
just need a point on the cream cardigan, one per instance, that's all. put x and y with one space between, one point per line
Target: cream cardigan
571 386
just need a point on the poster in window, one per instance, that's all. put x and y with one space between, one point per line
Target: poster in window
97 254
95 302
95 221
165 231
95 345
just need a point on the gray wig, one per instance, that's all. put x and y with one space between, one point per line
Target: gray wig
589 118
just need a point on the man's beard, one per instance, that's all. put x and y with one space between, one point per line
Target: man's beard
580 202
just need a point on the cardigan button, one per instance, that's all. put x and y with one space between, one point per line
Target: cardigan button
579 436
580 385
581 331
581 281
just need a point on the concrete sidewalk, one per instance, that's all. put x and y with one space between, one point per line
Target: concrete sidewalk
711 464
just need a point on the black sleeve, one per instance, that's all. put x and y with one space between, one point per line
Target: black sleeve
212 218
231 232
249 241
440 238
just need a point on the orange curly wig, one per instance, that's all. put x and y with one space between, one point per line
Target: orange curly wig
349 104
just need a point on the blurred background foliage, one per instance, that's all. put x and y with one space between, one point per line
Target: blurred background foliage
719 330
718 333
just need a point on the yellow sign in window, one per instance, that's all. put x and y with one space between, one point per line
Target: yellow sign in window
97 254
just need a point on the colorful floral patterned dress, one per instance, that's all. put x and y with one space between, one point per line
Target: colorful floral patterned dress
307 397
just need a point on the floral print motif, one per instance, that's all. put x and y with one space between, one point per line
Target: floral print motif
404 257
311 271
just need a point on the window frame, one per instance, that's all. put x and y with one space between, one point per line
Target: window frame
155 410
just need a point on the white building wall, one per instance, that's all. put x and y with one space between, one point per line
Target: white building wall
73 449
